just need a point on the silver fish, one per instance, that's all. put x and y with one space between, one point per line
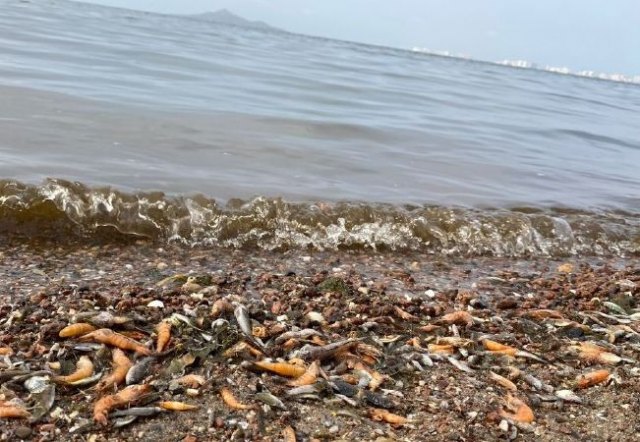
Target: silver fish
139 371
270 400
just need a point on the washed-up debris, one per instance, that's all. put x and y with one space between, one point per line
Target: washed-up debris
252 356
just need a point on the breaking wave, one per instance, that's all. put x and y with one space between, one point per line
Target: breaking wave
62 211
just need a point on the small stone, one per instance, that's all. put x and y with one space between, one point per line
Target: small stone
162 266
507 304
334 429
504 425
22 432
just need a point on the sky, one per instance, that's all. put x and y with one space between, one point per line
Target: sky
598 35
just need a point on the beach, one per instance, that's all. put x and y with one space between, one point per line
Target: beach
396 314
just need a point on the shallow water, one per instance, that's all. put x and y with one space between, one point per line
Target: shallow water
143 102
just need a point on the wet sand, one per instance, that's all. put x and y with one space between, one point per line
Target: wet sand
435 368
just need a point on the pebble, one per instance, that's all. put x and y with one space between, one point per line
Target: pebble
22 432
162 266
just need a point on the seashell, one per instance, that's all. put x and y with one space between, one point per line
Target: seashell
37 384
156 303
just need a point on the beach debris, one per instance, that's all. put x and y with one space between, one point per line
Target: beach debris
289 434
120 366
123 398
231 401
164 335
84 369
176 406
75 330
592 378
518 410
109 337
362 354
13 411
280 368
378 414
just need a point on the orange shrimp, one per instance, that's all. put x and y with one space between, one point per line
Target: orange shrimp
429 328
289 434
109 337
501 380
459 317
6 351
121 365
522 413
13 411
281 368
130 394
84 369
544 314
380 415
594 353
309 376
592 378
402 314
164 335
176 406
231 400
440 348
191 380
241 348
498 348
77 329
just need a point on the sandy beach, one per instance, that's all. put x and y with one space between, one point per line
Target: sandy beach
410 347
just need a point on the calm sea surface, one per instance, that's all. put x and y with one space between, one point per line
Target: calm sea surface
202 133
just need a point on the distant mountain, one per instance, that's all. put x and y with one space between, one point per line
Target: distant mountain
226 17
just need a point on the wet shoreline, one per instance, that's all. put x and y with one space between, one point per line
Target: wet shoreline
436 371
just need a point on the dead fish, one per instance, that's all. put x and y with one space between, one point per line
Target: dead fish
299 334
139 371
343 387
311 352
270 400
460 365
377 400
137 411
243 319
305 389
536 383
568 396
107 320
124 421
614 308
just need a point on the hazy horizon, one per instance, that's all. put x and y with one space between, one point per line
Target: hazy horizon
578 34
